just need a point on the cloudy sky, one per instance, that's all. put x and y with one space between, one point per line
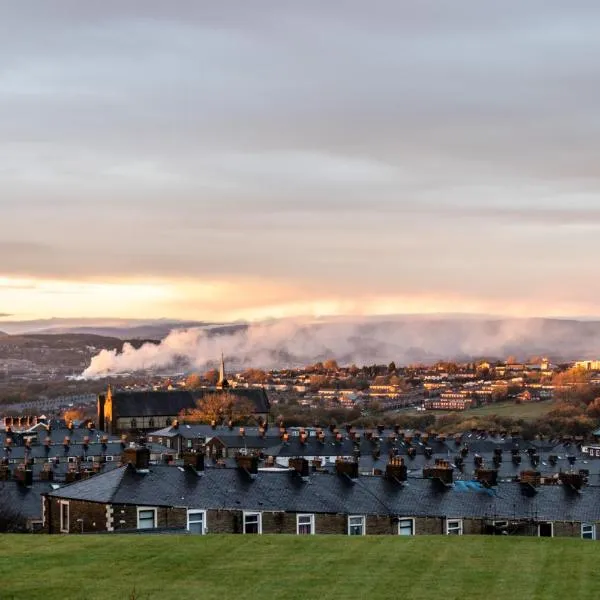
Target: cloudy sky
234 159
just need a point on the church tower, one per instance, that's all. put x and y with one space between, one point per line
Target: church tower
222 383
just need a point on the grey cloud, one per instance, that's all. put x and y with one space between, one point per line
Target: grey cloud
325 142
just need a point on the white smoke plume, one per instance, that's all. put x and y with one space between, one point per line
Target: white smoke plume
286 343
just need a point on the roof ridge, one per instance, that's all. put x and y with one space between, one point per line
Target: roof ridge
124 470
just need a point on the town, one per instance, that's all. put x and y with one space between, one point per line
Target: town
486 447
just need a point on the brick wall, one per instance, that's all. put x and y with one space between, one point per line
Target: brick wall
99 517
567 529
224 521
126 517
92 514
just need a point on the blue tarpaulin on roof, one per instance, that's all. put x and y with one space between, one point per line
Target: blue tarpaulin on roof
471 486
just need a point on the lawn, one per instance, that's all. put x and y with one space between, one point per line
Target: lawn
527 411
292 568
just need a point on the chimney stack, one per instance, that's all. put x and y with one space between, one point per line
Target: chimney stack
487 477
301 466
441 471
396 469
248 463
138 457
572 480
195 460
347 468
24 476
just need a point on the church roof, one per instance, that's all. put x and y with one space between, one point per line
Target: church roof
161 404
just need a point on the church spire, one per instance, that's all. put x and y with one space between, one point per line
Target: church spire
222 383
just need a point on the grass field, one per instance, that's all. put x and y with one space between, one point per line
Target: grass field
293 568
528 411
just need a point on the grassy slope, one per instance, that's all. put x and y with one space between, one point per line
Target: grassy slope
527 411
290 568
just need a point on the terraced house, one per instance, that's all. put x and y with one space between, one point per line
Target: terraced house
249 500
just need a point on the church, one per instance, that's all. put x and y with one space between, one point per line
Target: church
143 411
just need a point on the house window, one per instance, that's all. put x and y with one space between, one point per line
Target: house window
406 527
64 517
151 422
305 524
588 531
253 522
133 423
189 443
109 458
454 527
546 530
146 518
197 521
356 525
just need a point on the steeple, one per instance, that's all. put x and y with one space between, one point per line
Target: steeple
222 383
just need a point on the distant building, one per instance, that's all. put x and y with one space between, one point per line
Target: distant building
148 410
588 365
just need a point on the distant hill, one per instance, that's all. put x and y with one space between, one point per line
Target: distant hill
118 328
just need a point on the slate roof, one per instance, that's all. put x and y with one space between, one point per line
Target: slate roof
207 431
166 403
58 434
329 493
28 501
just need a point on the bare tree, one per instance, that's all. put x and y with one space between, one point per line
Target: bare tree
11 519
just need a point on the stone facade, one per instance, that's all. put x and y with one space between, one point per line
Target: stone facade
89 517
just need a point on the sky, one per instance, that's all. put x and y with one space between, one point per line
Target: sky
244 160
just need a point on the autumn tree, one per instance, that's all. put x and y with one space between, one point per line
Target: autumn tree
219 408
212 376
593 409
330 365
73 414
193 381
255 376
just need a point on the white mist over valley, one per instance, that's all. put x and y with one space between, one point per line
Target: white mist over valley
405 340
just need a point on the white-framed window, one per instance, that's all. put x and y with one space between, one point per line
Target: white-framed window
305 524
64 516
546 529
588 531
253 522
406 527
196 521
454 527
72 459
357 525
189 443
109 458
146 517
